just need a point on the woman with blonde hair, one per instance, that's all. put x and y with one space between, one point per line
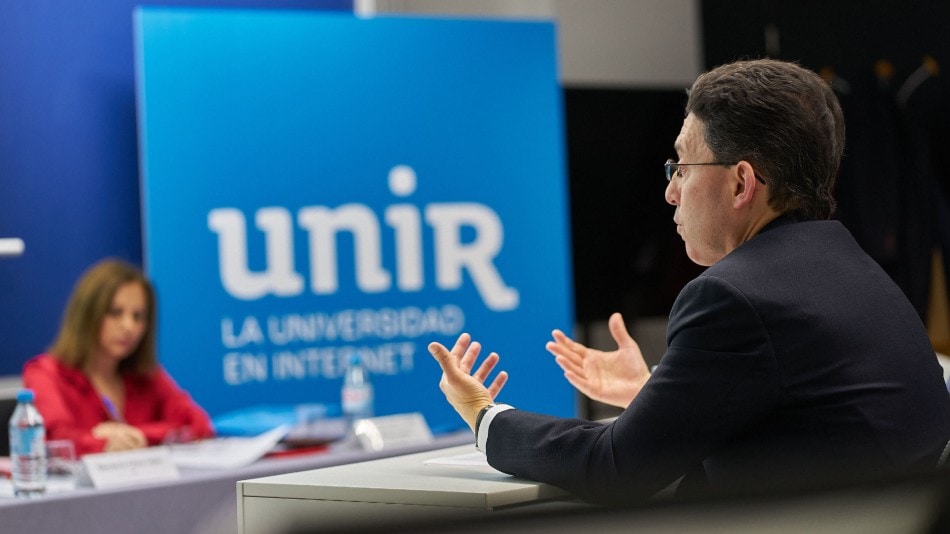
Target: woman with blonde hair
100 384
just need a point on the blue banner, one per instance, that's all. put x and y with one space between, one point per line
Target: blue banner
317 184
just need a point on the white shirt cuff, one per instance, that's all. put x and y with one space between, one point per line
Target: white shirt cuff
481 439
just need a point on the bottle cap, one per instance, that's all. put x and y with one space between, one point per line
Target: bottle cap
24 395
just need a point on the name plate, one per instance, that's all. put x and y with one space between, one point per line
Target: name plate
391 431
126 468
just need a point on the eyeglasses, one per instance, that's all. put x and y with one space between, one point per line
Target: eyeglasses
673 168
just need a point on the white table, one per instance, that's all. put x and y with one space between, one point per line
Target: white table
381 493
201 502
404 494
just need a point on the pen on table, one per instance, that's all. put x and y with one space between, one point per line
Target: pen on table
113 413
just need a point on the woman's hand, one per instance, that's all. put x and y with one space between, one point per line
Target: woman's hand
119 436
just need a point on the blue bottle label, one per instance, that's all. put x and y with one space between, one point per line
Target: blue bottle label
28 441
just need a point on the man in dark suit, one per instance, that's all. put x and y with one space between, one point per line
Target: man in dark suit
793 360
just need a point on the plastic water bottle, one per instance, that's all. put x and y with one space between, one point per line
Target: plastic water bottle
357 394
27 447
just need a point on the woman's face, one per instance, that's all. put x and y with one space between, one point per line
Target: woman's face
124 324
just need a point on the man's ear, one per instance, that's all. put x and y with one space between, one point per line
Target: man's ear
745 184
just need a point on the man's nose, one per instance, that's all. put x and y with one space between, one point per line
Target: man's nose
672 193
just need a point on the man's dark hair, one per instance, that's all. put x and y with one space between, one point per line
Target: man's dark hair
781 118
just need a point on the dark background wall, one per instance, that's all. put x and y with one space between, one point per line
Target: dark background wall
888 62
627 255
891 193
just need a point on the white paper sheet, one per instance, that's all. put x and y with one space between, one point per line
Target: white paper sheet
225 453
472 460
